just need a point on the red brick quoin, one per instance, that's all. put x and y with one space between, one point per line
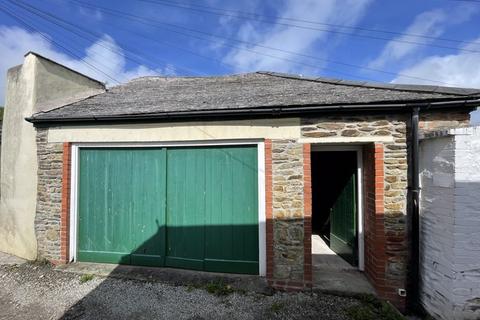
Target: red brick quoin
65 215
307 216
269 208
373 178
376 259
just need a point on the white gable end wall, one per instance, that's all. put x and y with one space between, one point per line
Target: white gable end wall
436 218
466 231
37 85
450 224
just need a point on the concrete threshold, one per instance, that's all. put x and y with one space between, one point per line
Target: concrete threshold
177 277
332 274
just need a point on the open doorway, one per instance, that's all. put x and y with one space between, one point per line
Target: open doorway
337 227
334 202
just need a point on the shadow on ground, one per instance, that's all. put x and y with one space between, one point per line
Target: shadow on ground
134 298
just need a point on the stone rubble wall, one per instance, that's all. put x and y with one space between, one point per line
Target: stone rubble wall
395 160
49 197
287 190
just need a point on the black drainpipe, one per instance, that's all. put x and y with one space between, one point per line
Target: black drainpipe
413 294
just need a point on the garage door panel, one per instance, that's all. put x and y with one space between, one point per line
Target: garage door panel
184 263
117 213
185 205
148 260
231 266
232 217
146 210
194 208
245 211
104 257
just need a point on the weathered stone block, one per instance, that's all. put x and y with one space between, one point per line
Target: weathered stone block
350 133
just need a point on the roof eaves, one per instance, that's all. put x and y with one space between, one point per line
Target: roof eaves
261 111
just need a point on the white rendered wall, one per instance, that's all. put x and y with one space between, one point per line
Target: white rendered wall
466 232
436 224
37 85
450 224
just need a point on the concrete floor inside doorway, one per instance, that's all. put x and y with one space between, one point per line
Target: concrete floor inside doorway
333 274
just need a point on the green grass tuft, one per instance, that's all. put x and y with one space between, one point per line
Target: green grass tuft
86 277
277 307
371 308
219 288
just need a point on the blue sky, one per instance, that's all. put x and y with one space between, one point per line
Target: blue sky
143 37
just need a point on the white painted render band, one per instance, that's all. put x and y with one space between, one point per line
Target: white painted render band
181 131
288 128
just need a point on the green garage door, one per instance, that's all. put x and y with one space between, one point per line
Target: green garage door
192 208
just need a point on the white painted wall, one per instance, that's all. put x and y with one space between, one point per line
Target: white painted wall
450 224
37 85
287 128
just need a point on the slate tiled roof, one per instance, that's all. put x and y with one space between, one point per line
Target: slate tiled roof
159 95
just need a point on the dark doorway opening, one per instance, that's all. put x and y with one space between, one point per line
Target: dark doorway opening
334 201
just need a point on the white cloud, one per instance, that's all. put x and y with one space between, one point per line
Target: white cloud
290 38
105 54
426 24
455 69
460 70
431 23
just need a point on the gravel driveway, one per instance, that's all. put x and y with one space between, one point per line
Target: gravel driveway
30 291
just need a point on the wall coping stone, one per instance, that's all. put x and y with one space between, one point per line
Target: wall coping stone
470 130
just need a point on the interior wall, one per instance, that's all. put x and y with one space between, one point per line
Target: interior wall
330 171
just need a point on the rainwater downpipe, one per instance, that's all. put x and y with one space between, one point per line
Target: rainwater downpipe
413 294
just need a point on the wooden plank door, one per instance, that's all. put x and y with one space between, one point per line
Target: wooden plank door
193 208
343 222
231 240
212 209
122 206
185 208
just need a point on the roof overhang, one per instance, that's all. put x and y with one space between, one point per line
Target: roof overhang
260 112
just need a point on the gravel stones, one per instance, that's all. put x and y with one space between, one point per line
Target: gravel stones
39 292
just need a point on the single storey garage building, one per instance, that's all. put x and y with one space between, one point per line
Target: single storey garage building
224 174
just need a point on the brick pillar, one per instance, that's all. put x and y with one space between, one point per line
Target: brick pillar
65 215
269 208
307 214
376 259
